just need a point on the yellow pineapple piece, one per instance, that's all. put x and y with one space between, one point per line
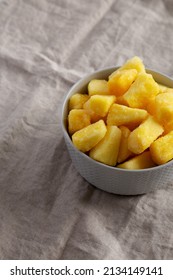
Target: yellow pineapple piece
100 104
142 91
142 137
94 117
123 115
124 152
77 119
77 100
141 161
106 151
133 63
132 126
120 100
86 138
98 87
151 107
168 127
163 88
162 109
120 82
162 149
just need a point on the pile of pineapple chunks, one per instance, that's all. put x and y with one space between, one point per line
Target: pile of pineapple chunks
125 121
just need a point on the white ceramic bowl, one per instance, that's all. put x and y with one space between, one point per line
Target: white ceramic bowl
112 179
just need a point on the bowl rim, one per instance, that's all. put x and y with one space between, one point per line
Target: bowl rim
86 157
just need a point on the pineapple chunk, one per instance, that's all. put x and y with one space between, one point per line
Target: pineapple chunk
98 87
106 151
138 162
124 152
120 82
162 108
142 91
94 117
168 127
120 100
123 115
132 126
77 119
77 100
162 149
86 138
142 137
100 104
163 88
133 63
151 107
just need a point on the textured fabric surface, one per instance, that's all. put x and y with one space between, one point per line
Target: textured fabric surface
47 210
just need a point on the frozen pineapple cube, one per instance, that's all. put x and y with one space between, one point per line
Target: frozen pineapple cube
142 91
138 162
106 151
133 63
86 138
120 82
123 115
100 104
142 137
124 152
162 149
162 108
98 87
77 100
77 119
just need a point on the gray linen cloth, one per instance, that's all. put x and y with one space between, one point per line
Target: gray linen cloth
47 210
